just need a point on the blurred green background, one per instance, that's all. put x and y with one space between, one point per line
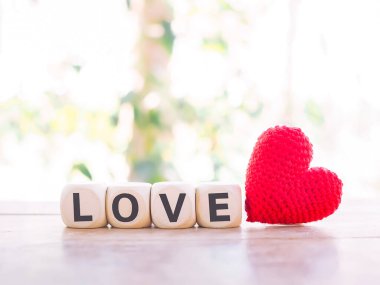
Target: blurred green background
180 90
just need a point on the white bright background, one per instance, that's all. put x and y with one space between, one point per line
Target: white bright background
294 56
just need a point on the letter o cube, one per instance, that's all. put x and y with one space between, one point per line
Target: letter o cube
83 205
173 205
128 205
218 205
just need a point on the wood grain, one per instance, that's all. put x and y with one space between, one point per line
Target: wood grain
343 249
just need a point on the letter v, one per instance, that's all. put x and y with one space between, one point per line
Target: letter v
173 217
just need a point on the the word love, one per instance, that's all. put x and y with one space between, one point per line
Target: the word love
166 204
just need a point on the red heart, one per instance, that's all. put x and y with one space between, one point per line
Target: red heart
280 186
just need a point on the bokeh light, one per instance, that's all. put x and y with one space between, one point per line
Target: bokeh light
180 90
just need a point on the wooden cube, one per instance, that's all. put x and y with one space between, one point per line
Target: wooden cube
128 205
218 205
83 205
173 205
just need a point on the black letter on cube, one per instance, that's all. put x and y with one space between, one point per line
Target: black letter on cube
77 215
134 211
214 207
173 217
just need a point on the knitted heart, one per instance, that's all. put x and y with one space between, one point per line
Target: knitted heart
280 186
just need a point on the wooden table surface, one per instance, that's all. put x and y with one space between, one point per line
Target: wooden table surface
342 249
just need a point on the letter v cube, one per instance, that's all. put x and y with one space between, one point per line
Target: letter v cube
173 205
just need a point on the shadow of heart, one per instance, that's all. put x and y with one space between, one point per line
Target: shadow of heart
296 254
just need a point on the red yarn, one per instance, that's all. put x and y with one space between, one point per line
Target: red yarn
281 188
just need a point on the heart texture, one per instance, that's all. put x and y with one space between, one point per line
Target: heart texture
280 186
